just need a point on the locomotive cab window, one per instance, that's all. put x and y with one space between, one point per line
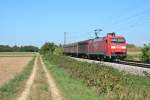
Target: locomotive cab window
118 40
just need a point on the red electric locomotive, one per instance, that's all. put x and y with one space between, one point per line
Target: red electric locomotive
107 47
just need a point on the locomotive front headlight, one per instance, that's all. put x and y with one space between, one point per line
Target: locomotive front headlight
123 47
113 47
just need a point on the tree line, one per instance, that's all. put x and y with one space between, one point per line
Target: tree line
29 48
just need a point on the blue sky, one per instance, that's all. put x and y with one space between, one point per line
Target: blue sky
24 22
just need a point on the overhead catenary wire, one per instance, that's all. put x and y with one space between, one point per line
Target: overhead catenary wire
132 16
131 21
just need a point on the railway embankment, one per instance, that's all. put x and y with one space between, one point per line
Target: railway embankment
106 81
132 69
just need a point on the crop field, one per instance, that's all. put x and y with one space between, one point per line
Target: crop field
15 68
10 66
17 54
12 63
134 54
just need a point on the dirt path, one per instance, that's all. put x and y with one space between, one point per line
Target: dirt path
40 88
55 92
29 83
40 85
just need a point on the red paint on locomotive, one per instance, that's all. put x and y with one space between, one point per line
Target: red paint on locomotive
110 47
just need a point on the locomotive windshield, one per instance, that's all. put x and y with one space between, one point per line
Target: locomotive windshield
118 40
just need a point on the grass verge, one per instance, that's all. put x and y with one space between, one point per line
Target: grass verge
73 89
104 80
13 87
136 56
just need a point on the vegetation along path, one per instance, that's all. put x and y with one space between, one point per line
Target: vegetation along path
40 85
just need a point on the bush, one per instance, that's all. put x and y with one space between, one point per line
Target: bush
146 53
58 51
48 48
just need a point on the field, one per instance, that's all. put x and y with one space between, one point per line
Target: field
15 67
11 66
134 54
17 54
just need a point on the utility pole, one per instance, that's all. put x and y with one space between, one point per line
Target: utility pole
65 37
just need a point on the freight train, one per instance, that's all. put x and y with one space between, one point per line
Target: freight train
109 47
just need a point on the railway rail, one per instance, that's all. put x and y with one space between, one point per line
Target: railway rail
137 64
134 63
128 62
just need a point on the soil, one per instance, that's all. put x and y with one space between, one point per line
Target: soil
11 66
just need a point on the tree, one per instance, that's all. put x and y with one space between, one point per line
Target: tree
7 48
15 48
58 51
146 53
48 47
29 48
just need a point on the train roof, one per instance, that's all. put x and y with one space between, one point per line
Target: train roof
111 35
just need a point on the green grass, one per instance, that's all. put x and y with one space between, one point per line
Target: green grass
105 81
134 54
73 89
13 87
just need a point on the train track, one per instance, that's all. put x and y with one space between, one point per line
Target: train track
128 62
134 63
